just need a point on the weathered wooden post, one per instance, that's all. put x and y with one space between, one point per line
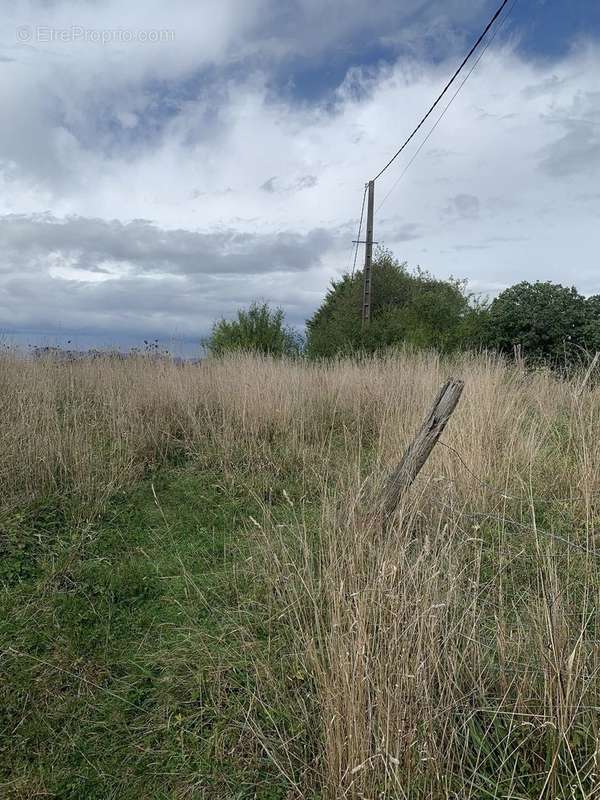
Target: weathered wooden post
588 374
418 452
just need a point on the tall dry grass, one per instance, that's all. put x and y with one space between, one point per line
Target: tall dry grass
454 653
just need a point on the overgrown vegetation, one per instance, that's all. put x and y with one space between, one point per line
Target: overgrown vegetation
410 308
550 323
545 323
541 323
196 602
260 329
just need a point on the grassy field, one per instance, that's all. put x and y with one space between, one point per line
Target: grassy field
196 602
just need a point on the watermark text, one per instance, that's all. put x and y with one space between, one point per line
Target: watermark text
35 34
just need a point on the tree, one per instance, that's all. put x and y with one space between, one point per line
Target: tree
591 332
412 308
548 320
259 329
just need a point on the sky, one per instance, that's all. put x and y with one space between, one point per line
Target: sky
164 164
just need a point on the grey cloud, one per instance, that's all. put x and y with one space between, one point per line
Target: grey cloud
91 244
276 184
577 151
269 186
308 26
177 281
403 232
136 305
307 182
463 206
542 88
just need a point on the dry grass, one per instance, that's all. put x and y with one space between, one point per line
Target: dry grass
455 653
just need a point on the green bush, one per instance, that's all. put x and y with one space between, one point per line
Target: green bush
592 324
259 329
550 322
410 308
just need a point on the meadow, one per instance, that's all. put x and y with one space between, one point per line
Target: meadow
197 600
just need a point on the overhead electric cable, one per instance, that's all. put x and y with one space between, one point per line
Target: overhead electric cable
357 242
443 114
445 89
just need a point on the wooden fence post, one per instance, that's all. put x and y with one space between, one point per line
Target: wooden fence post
418 452
588 374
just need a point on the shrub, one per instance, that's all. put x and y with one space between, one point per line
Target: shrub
548 320
259 329
407 308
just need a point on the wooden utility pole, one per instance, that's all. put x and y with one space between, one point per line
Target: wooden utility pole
366 312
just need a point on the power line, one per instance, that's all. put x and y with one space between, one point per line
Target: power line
357 242
452 99
445 89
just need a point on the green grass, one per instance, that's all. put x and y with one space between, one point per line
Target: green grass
131 650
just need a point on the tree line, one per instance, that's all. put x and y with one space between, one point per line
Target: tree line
542 322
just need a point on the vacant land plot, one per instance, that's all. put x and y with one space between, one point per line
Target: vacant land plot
196 602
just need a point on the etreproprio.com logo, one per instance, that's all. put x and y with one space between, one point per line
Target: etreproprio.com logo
80 34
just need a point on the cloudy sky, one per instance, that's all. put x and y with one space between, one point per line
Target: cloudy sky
163 164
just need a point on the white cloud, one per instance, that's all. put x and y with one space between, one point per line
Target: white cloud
251 194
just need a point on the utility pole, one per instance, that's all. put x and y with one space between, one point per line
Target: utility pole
366 311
